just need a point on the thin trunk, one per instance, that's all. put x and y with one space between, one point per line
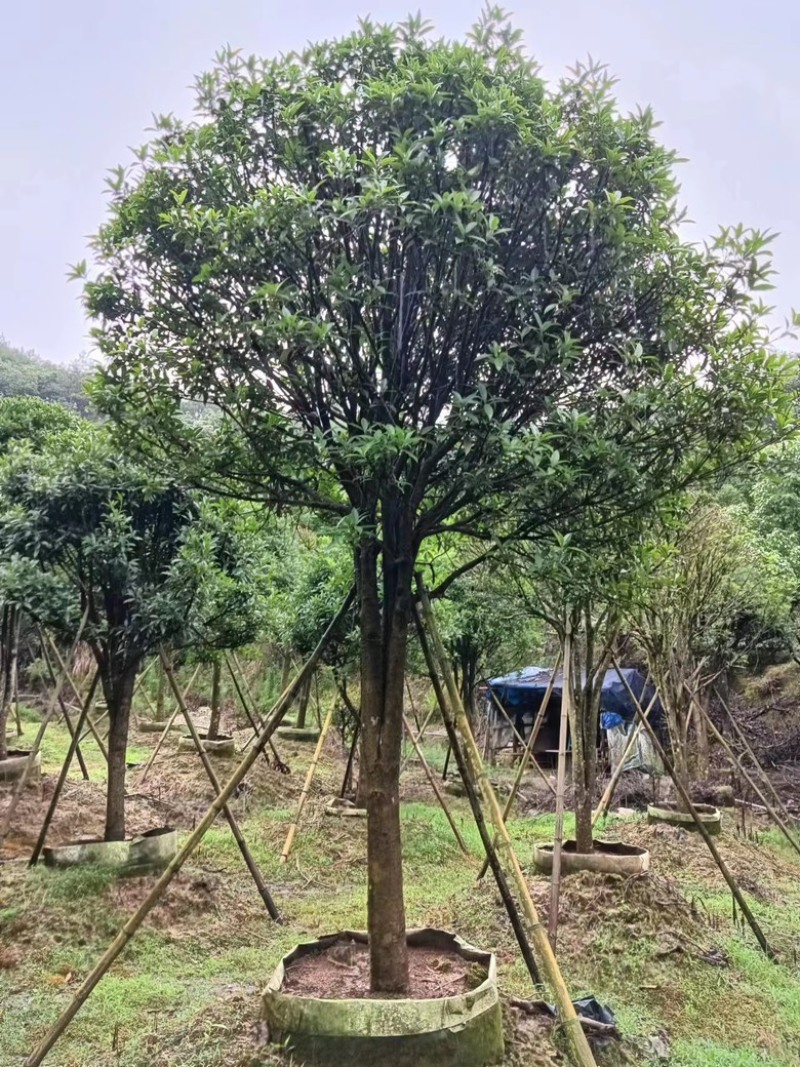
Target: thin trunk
302 706
702 746
161 693
8 628
119 697
216 701
384 636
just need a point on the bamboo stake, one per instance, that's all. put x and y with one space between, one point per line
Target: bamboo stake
77 693
188 847
446 762
782 826
37 848
246 706
238 836
348 771
608 793
528 753
287 845
506 895
524 743
788 817
65 710
420 732
670 769
435 787
162 738
555 881
573 1030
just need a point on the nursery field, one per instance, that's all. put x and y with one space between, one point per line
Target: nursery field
687 984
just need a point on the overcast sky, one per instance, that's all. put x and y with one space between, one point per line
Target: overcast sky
79 82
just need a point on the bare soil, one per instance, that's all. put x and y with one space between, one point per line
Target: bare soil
341 972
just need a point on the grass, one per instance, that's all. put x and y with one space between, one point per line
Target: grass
185 992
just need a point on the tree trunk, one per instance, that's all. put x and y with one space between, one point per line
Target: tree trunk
286 670
8 629
384 637
302 702
118 691
161 692
216 701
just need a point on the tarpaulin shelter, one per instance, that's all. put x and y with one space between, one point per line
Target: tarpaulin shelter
521 695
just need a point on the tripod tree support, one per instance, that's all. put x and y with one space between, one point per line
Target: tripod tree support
287 845
435 787
73 746
576 1038
701 828
166 730
190 844
246 702
250 863
522 740
67 674
608 793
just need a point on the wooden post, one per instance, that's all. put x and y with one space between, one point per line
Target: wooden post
250 863
471 788
528 753
166 730
701 828
188 847
37 848
287 845
555 881
240 692
608 793
570 1022
435 787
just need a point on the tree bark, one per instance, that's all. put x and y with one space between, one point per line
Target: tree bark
8 631
302 703
216 701
118 690
384 637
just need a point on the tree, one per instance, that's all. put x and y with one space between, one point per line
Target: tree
93 538
427 294
26 374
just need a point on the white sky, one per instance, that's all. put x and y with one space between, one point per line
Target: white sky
79 82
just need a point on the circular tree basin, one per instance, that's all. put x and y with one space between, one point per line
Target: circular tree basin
299 733
11 768
345 808
221 745
608 857
315 1016
158 726
669 813
144 854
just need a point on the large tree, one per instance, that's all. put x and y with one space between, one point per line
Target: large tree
420 287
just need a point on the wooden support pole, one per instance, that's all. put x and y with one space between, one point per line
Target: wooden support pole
238 836
473 796
163 736
701 828
608 792
245 702
348 771
188 847
435 787
420 732
738 763
66 672
287 845
576 1038
65 711
37 848
522 741
558 838
528 753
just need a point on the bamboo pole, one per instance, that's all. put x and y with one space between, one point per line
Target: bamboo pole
528 753
506 895
62 777
680 787
287 845
558 838
737 762
348 771
188 847
163 736
420 732
65 710
15 673
246 707
26 770
523 742
77 693
435 787
570 1022
238 836
608 793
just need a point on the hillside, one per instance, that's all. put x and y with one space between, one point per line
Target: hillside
26 374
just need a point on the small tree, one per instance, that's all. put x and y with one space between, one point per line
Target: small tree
421 287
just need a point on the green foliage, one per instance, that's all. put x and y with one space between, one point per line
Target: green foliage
25 374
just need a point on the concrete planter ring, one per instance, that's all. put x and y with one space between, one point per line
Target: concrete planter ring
11 769
670 814
463 1030
158 726
307 734
222 745
144 854
608 857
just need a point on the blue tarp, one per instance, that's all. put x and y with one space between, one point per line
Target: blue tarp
525 690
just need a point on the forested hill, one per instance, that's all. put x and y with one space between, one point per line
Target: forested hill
26 374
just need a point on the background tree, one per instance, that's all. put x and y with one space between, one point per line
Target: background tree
421 287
